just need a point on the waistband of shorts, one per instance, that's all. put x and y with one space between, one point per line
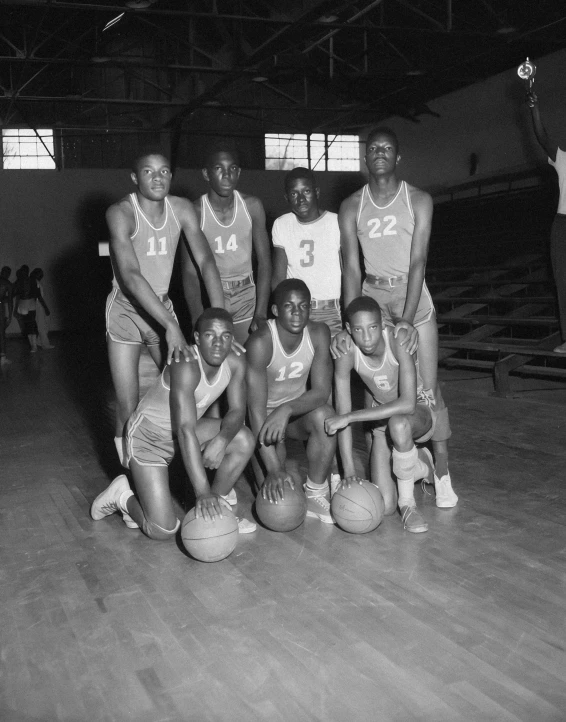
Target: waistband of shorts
387 281
240 283
164 298
319 303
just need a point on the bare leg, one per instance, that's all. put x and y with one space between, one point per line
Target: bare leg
241 331
124 364
238 453
380 471
320 447
154 512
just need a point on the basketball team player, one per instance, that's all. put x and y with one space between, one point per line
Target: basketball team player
306 245
144 233
234 226
557 159
173 408
283 355
397 405
391 221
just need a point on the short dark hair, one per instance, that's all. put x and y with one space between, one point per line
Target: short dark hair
362 303
383 130
221 147
216 314
37 273
299 172
145 153
6 270
288 286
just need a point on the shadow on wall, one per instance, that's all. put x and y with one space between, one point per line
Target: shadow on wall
82 279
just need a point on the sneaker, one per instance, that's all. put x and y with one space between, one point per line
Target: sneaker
230 497
246 527
445 496
319 507
561 348
129 522
413 520
335 482
427 466
109 501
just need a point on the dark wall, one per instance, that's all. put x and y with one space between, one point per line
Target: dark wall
54 220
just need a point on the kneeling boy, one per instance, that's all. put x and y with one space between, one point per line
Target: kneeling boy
397 403
174 407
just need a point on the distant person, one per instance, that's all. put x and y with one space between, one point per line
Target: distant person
397 405
6 310
289 380
42 310
25 295
145 227
170 416
306 245
390 221
22 277
234 226
557 159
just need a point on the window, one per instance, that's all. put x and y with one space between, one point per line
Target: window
24 148
284 151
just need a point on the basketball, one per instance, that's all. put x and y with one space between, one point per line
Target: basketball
210 541
287 514
358 509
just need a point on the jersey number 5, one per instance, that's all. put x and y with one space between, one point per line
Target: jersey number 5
390 222
295 372
162 246
308 257
230 246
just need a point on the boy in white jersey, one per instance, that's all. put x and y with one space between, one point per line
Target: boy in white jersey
284 355
234 226
397 403
306 245
144 233
174 407
391 221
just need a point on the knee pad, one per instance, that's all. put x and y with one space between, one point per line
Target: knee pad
442 430
404 463
154 531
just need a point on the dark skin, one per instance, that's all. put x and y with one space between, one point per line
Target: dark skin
292 314
222 174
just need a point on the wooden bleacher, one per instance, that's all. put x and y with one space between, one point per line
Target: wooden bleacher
500 315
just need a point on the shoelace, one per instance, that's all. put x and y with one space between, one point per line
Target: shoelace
321 501
427 397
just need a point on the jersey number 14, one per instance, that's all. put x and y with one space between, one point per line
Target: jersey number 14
232 245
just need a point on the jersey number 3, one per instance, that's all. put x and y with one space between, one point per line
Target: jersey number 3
230 246
390 222
308 256
295 372
162 243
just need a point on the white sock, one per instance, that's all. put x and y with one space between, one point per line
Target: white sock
311 486
404 466
121 449
123 501
406 492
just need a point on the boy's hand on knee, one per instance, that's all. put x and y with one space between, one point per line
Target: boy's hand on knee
208 506
274 427
213 452
334 423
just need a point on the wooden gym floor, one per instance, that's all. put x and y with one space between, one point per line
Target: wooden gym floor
465 622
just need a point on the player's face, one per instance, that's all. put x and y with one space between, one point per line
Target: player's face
302 196
381 154
365 329
293 312
153 177
222 173
215 340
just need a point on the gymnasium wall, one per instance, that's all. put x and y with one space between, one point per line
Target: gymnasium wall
489 119
54 220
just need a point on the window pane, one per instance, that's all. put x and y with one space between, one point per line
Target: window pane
23 149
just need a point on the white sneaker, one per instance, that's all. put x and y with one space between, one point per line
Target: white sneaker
230 497
427 466
445 496
319 507
413 520
108 502
246 527
129 522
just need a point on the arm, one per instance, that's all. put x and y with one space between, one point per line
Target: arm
121 224
42 300
262 248
191 284
343 400
422 208
200 250
213 451
280 264
273 430
352 284
185 377
547 144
